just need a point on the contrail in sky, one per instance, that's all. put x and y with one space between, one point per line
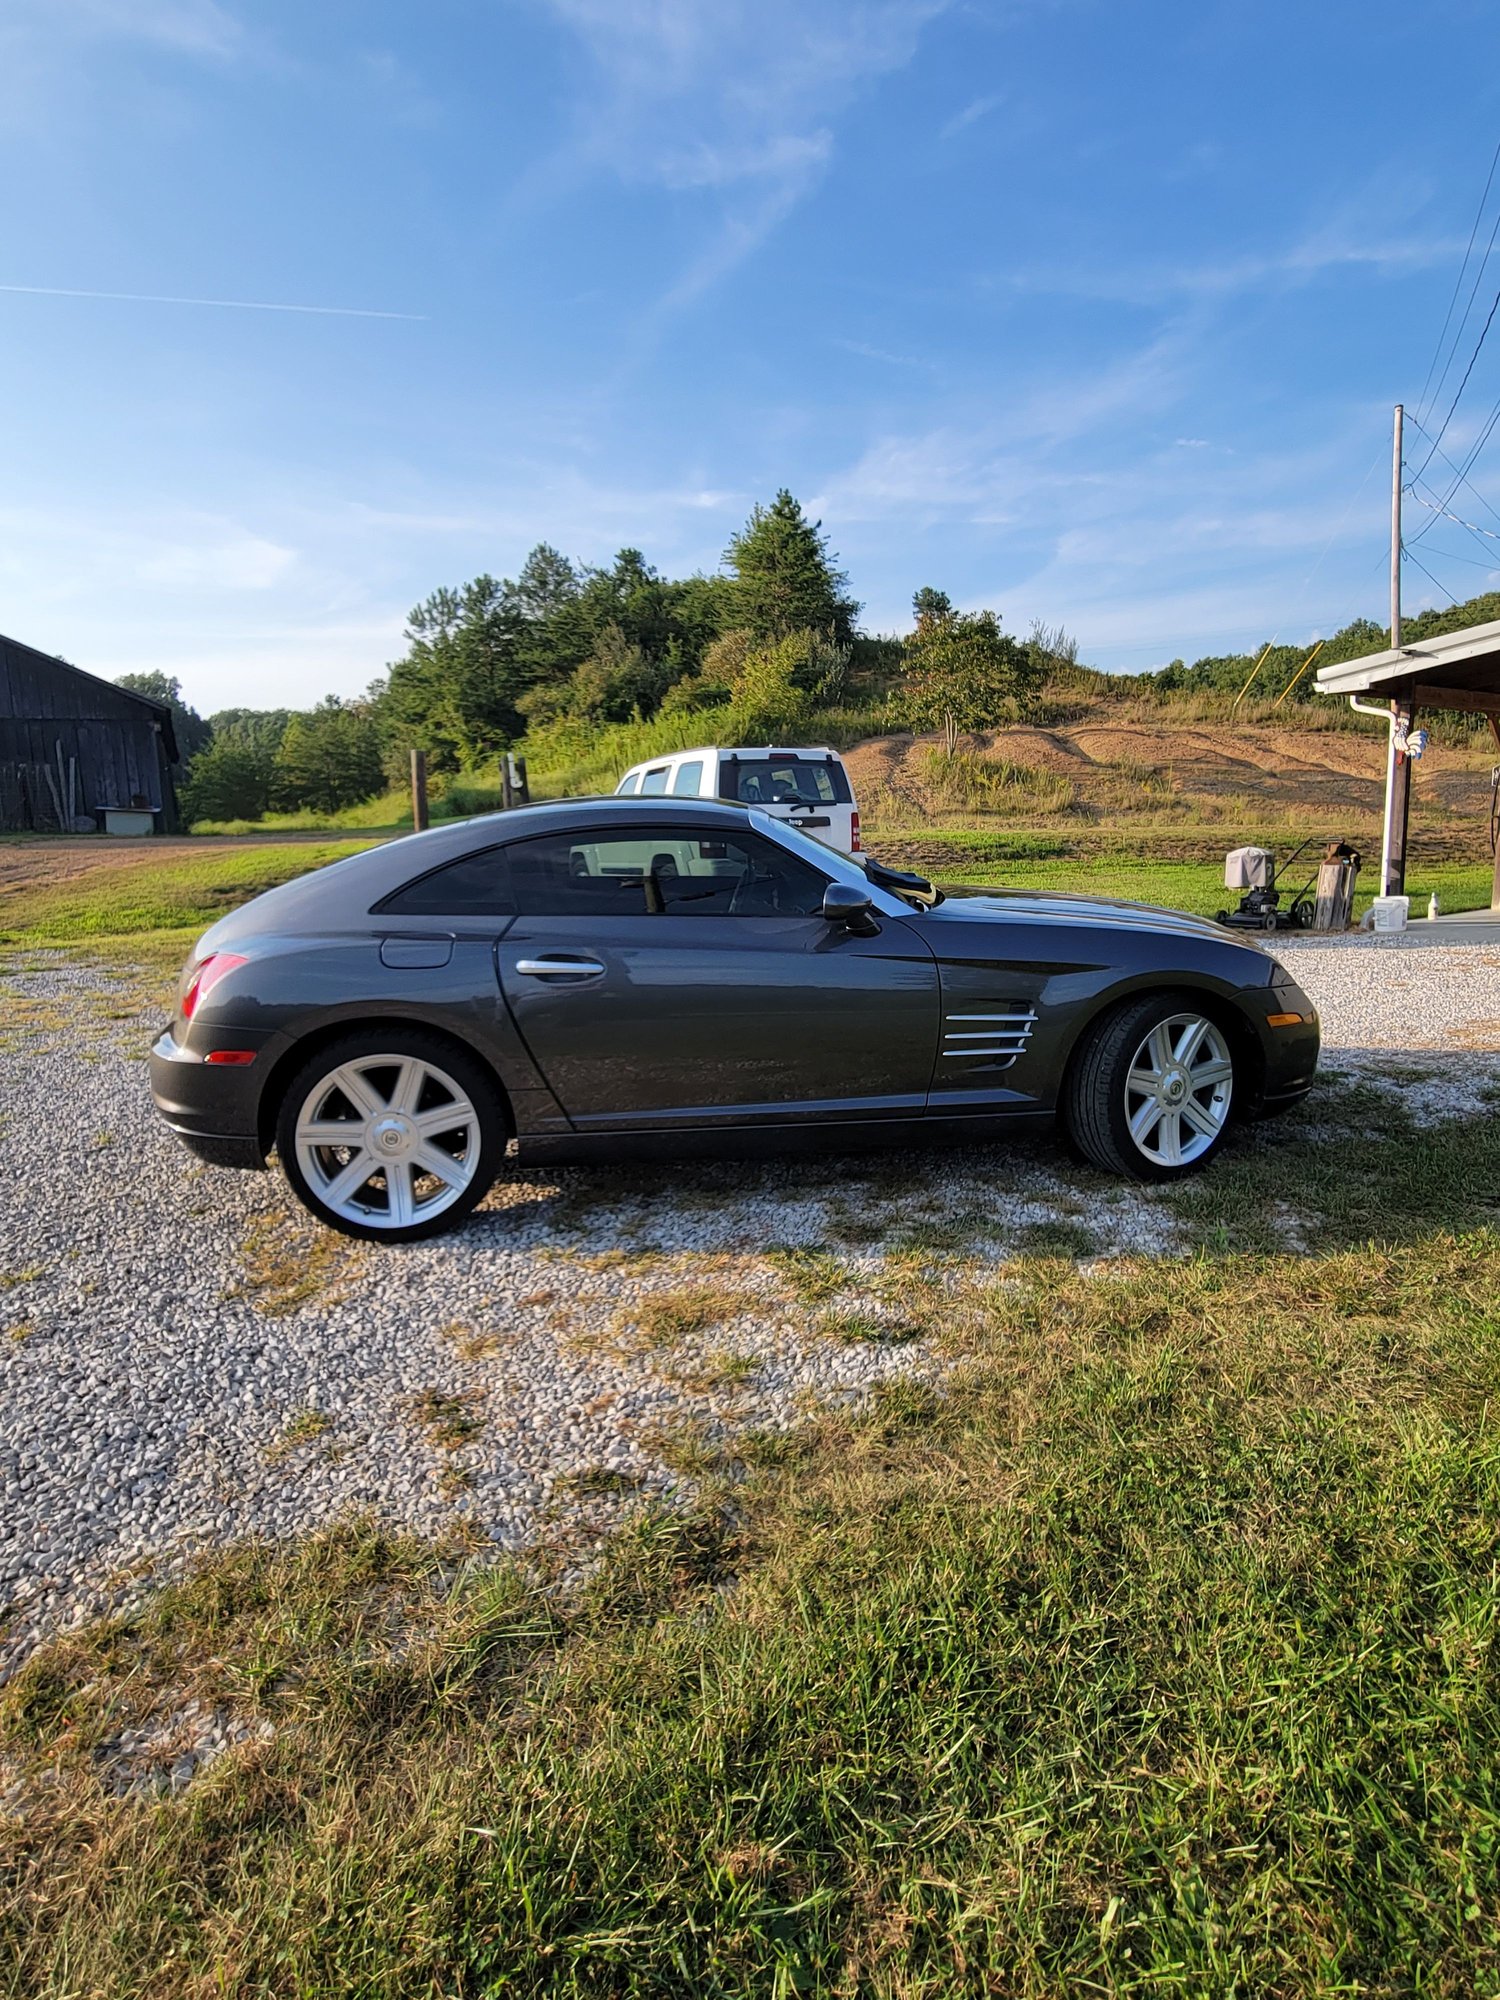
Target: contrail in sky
239 305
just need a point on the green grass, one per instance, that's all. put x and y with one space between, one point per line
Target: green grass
989 785
1154 1653
970 857
172 892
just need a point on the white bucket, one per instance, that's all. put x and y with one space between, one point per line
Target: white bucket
1389 913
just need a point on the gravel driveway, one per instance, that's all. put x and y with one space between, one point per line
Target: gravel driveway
185 1358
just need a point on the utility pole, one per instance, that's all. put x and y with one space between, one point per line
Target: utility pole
1396 532
1403 714
419 791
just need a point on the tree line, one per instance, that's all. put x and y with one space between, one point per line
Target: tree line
768 641
761 647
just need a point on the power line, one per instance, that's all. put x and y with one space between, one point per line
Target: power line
1448 556
1457 519
1462 472
1442 428
1454 469
1458 281
1430 577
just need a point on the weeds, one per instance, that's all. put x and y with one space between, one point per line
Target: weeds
449 1421
813 1275
306 1427
662 1319
1150 1652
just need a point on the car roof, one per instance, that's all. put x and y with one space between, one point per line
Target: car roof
347 890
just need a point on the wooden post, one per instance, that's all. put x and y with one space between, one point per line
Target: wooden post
419 790
1398 802
507 789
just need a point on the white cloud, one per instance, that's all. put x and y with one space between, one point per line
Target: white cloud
731 98
46 78
191 27
223 560
971 114
1327 250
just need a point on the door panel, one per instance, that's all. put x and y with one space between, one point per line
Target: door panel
704 1020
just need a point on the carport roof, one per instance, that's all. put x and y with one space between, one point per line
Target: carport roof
1456 670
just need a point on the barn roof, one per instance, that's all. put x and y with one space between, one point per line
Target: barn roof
159 709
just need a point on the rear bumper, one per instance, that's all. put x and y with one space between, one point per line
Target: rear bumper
214 1110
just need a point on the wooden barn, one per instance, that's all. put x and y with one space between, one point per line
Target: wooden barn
73 747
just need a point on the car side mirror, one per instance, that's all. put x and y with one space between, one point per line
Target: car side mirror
844 903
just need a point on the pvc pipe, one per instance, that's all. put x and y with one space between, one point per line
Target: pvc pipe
1388 716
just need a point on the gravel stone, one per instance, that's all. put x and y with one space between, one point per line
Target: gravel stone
186 1359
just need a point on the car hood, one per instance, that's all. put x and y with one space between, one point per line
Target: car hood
1024 906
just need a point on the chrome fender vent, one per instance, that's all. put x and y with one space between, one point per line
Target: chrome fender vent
998 1036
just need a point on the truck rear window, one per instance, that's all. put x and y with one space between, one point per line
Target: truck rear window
769 781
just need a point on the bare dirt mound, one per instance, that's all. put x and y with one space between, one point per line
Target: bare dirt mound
1138 765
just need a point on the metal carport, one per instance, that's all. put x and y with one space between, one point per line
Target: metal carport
1459 670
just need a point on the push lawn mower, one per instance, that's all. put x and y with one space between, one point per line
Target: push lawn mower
1254 870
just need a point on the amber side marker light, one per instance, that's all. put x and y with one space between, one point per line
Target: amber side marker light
1283 1020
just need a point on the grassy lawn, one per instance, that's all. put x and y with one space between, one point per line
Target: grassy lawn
175 891
1181 869
1153 1653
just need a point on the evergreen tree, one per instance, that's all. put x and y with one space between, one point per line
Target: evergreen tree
226 780
784 578
928 604
329 757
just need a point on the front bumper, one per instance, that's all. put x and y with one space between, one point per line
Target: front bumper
213 1109
1289 1047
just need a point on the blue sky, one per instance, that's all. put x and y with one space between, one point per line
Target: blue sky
1089 312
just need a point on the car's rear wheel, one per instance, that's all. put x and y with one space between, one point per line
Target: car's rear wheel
391 1135
1149 1095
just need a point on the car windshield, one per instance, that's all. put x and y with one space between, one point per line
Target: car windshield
913 889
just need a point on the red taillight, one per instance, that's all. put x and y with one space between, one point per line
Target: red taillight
854 833
206 978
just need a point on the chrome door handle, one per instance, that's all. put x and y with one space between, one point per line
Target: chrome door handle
542 968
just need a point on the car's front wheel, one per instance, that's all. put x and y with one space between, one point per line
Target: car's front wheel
1150 1092
391 1134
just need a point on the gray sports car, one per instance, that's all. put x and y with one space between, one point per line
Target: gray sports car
603 975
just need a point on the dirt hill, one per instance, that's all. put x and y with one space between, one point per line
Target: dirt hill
1153 774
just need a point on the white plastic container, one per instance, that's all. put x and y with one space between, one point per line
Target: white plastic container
1389 913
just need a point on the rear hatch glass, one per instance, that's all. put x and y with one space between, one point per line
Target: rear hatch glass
783 781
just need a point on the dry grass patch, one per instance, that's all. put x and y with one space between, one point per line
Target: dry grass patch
449 1420
664 1319
287 1262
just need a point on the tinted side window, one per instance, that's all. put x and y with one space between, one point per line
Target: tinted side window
689 780
655 781
665 872
476 886
629 785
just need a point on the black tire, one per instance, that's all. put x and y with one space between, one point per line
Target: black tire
1094 1107
472 1078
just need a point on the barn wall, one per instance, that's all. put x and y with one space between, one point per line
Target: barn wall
113 738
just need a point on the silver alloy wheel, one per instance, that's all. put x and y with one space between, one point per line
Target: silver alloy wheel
387 1140
1177 1090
